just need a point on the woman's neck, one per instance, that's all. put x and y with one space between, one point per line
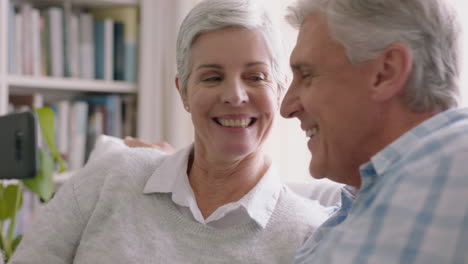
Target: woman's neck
218 182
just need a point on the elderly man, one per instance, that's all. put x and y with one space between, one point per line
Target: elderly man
375 90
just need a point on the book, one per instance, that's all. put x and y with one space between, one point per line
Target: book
99 50
95 127
11 38
36 42
112 113
128 115
33 100
18 44
26 38
86 46
73 45
108 49
119 52
78 130
65 25
55 16
46 68
129 16
62 127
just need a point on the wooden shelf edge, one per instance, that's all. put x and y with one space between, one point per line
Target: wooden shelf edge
70 84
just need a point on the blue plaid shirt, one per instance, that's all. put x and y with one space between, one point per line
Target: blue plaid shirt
412 206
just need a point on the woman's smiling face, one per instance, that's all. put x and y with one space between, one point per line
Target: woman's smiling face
231 93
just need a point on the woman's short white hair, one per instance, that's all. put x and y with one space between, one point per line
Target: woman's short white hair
211 15
428 28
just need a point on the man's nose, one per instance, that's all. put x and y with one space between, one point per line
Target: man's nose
291 104
235 93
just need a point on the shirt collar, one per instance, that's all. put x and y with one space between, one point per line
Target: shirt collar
166 177
261 201
171 177
391 154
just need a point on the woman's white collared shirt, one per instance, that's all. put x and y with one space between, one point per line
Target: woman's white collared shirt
257 205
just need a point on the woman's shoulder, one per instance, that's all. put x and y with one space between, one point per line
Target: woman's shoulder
132 163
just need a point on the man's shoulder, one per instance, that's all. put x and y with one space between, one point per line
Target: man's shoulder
301 207
442 139
447 128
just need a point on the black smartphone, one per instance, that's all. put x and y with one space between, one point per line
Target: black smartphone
18 146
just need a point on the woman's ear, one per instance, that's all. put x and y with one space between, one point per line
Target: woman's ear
393 71
183 96
176 80
282 91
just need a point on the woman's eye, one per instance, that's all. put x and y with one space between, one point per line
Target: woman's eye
257 78
212 79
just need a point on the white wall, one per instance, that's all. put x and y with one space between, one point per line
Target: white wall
287 144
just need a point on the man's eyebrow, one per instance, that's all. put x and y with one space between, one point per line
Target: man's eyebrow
214 66
302 66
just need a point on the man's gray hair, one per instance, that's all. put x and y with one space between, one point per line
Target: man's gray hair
429 29
211 15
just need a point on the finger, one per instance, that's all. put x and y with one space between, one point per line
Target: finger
136 143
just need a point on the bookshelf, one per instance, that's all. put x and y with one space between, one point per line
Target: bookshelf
9 83
53 89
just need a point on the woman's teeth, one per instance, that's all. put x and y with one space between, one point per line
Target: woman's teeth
235 122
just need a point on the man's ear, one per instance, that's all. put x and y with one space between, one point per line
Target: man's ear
393 72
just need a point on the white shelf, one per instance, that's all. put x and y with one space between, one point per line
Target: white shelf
105 2
70 84
82 2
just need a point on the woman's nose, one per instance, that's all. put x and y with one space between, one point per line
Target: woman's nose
235 93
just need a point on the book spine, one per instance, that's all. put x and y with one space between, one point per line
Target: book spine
119 51
45 44
99 50
78 130
108 49
86 41
18 44
27 29
36 42
73 37
11 38
56 40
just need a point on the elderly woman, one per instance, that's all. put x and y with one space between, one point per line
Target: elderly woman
215 201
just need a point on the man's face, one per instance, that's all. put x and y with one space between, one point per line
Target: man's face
331 98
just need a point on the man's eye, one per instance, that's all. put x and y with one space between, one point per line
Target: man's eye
305 75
